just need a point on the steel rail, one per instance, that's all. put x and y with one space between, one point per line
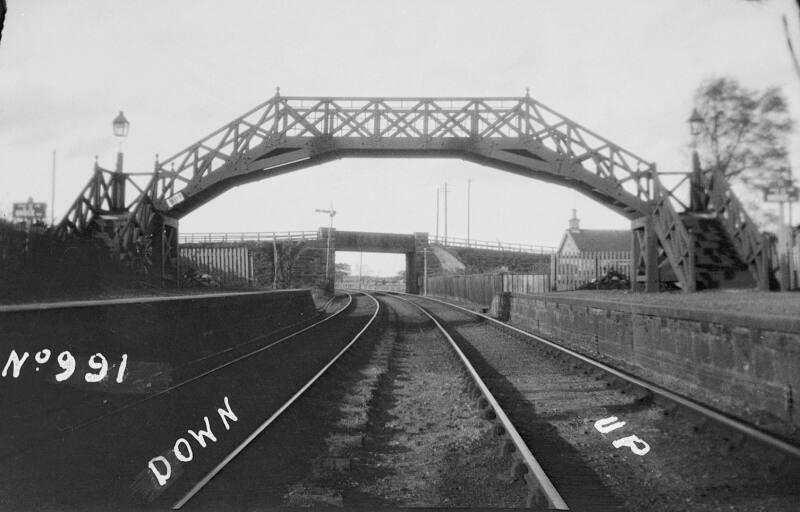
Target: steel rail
549 491
737 425
125 407
236 451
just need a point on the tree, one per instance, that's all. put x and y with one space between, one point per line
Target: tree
744 131
342 270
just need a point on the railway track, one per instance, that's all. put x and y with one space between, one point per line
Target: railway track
722 419
645 439
198 486
76 409
410 335
182 429
525 464
399 400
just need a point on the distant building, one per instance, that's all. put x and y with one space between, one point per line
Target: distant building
582 241
588 254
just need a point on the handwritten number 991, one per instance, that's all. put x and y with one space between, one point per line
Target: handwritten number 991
66 361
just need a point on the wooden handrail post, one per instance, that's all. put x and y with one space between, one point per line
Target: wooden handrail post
764 263
690 279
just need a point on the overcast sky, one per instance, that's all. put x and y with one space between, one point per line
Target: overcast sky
180 69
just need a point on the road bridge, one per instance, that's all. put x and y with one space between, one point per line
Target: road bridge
697 247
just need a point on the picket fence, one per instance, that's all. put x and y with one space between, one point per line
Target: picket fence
570 271
229 265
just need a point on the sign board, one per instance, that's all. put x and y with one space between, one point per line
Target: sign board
177 198
29 211
780 194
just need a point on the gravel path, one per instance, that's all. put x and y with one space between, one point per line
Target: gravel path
555 406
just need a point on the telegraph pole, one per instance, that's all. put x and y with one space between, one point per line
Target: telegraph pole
437 214
469 186
445 212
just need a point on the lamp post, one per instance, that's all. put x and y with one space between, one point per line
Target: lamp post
120 126
331 213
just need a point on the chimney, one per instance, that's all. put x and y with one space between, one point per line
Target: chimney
574 222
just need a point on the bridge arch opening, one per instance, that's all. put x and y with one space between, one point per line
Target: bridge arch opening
371 270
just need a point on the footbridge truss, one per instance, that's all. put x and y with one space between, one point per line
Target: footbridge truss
283 134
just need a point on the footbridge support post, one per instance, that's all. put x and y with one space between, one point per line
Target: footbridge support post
165 249
644 255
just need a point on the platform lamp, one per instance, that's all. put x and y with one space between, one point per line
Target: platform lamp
696 195
120 126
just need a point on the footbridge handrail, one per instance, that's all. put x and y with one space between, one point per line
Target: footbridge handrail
675 239
423 119
751 246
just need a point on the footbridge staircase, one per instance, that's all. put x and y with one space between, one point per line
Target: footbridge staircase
706 244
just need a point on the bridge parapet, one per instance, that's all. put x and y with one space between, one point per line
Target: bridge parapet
246 236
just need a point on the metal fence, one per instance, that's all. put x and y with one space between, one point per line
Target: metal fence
229 266
246 236
573 270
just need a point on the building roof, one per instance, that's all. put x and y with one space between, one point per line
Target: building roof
597 240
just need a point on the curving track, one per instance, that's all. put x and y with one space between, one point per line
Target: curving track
101 460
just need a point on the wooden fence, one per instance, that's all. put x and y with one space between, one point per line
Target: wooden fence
568 272
526 283
572 270
476 288
229 265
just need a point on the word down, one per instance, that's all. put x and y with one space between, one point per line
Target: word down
633 442
160 465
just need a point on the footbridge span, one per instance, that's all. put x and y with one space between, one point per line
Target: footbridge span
696 247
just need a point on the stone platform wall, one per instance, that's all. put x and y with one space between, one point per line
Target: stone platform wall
741 364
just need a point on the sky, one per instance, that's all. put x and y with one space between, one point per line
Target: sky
179 69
